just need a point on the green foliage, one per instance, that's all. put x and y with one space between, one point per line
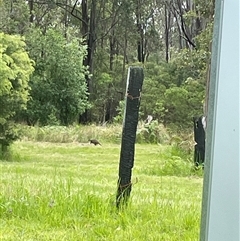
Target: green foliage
152 133
173 93
182 103
204 40
59 93
206 8
190 64
14 16
54 38
103 93
58 88
15 70
120 110
107 87
175 101
152 98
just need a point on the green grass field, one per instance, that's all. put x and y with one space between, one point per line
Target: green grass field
67 191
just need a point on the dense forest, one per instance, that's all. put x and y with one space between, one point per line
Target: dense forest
66 61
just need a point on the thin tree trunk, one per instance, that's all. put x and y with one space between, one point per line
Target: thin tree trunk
65 20
88 31
167 26
140 41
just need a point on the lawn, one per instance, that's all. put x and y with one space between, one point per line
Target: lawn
57 191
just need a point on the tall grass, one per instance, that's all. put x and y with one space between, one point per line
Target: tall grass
66 191
78 133
154 133
178 155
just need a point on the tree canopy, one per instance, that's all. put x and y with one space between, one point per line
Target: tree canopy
58 87
82 50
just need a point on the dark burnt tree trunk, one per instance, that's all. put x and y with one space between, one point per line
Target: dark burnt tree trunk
199 137
133 92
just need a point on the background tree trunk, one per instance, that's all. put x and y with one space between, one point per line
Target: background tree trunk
88 32
30 4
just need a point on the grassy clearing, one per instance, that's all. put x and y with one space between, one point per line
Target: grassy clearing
66 191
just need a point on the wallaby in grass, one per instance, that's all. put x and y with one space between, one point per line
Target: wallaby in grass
94 141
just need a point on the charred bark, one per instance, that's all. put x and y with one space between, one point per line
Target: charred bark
134 88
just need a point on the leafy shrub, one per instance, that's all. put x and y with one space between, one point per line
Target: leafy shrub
152 133
58 87
15 70
120 110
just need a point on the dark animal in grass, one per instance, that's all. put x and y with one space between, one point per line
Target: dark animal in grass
95 142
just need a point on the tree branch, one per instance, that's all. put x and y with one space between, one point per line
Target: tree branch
106 33
183 24
174 10
72 10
